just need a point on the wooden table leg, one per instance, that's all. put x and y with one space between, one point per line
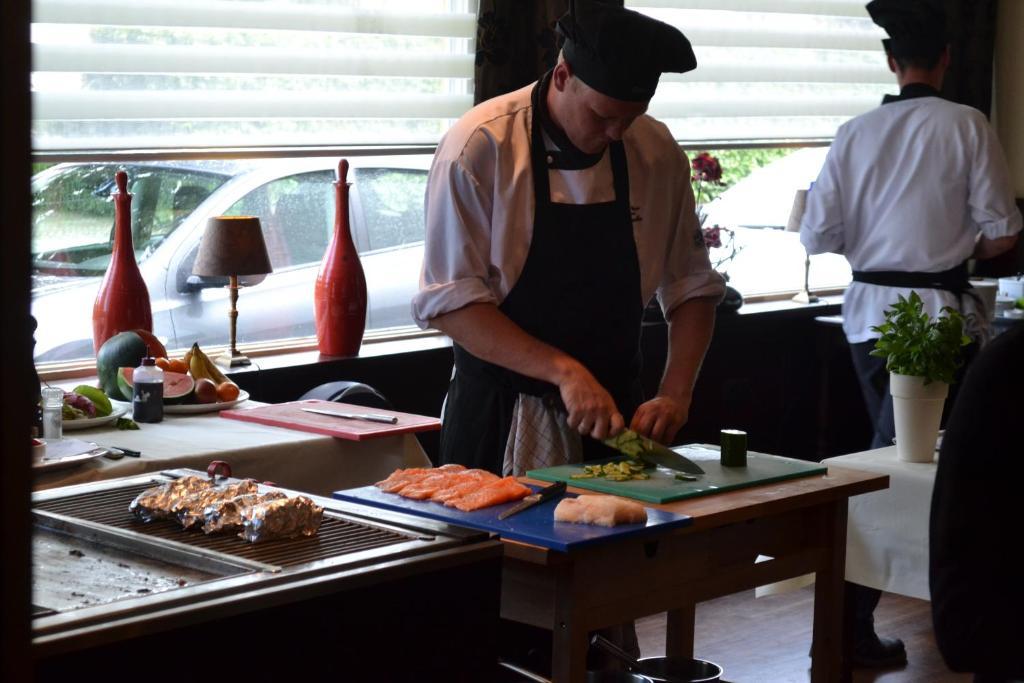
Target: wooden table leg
569 653
827 664
679 630
569 638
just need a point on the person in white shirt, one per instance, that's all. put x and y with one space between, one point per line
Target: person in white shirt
553 215
909 192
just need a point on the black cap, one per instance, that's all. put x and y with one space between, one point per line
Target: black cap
915 27
621 53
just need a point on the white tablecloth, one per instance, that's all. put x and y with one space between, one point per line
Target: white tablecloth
292 459
887 533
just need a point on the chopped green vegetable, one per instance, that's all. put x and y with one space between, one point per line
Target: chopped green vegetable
126 423
624 470
628 442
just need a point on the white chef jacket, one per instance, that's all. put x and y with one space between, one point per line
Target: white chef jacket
909 186
480 210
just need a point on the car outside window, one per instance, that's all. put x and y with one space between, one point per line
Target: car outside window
171 204
297 215
73 214
392 206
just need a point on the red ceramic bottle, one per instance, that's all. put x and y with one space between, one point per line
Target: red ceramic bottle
340 295
122 302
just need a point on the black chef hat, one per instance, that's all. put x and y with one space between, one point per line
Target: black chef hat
916 28
621 53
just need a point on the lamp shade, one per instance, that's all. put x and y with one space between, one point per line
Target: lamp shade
796 214
232 245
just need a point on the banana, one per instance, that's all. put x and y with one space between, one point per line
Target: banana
212 371
202 366
196 366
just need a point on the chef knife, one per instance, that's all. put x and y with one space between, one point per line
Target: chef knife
371 417
633 445
546 493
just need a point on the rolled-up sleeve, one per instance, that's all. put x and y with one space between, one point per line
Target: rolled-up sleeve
458 240
687 271
991 199
821 229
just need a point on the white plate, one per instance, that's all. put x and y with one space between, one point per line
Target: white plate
86 451
194 408
119 409
191 408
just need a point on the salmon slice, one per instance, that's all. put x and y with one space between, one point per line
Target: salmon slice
400 479
495 493
466 482
428 485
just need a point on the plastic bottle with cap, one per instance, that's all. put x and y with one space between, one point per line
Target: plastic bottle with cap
148 391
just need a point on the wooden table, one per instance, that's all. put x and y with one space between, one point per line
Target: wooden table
800 523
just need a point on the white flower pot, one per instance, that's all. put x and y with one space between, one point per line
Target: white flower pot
918 412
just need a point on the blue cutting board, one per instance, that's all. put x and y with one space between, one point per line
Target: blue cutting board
535 525
663 487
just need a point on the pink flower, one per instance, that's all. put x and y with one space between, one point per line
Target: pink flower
713 237
706 169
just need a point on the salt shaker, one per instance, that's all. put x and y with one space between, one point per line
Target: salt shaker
53 413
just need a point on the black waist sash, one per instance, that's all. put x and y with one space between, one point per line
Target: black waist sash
953 280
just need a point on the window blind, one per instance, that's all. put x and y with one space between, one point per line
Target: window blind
769 70
215 74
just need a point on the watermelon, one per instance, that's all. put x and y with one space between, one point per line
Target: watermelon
122 350
177 386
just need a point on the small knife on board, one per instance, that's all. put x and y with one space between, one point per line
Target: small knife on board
632 445
370 417
546 493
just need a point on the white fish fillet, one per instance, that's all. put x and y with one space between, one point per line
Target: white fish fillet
601 510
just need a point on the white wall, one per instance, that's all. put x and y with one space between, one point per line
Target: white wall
1009 88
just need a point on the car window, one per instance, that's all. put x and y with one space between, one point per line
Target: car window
392 203
297 215
73 213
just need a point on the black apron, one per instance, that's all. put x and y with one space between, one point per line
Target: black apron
580 292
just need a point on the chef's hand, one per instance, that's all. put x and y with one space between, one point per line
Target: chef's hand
591 408
661 417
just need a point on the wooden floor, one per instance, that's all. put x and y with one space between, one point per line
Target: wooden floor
766 640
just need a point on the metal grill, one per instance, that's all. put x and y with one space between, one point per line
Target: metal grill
337 536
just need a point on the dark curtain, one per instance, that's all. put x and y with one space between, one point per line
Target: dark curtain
515 44
972 27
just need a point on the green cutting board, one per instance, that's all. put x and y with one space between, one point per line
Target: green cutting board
663 487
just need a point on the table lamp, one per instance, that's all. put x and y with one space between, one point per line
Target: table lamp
232 246
796 215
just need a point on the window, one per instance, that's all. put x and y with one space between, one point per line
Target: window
238 74
236 79
298 216
770 72
295 200
391 203
755 203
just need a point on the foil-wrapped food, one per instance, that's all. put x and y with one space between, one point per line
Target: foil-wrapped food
189 509
227 515
158 502
283 518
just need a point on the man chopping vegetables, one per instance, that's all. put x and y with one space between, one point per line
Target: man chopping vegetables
553 215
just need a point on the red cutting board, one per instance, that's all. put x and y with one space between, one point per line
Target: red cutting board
291 416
